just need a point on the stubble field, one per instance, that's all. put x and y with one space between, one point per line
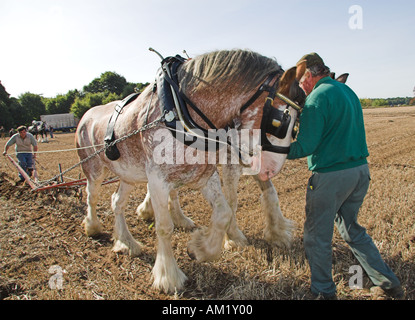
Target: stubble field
42 240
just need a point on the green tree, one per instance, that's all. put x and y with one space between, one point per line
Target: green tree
32 105
6 119
16 110
83 104
107 82
61 103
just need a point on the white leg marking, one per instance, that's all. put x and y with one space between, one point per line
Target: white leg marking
145 209
230 176
167 276
206 243
91 223
278 230
123 240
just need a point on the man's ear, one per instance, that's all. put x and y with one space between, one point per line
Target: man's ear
301 66
343 78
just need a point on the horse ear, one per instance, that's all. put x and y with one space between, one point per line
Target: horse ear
343 78
289 75
301 69
332 75
286 79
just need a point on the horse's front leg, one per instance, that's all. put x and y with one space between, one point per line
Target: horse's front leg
206 243
167 275
278 230
123 240
230 176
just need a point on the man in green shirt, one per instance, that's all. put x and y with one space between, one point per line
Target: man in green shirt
332 137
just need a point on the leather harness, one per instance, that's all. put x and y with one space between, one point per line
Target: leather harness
173 105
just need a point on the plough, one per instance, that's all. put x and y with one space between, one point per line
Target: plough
35 186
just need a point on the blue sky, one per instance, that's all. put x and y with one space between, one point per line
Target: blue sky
53 46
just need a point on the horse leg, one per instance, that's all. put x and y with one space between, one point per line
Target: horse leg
206 243
179 219
167 275
91 223
146 212
230 177
145 209
123 240
278 230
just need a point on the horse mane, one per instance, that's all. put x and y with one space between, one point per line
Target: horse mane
222 68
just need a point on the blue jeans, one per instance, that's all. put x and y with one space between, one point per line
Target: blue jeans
25 161
334 198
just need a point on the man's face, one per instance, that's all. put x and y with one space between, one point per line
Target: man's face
306 83
22 134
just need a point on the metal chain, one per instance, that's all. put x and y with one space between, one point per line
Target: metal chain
143 128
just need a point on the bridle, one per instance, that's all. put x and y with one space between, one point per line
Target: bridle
274 121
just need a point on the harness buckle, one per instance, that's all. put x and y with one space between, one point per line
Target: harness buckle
270 99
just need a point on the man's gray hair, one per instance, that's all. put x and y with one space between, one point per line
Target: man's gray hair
319 70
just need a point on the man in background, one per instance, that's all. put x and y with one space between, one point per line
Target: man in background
25 142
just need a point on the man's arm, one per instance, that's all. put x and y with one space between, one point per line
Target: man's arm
34 151
11 141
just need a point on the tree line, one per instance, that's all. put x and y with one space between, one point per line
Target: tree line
110 86
389 102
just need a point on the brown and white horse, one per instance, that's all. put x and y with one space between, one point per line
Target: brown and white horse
278 230
219 83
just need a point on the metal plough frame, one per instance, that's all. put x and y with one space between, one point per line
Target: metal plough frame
35 187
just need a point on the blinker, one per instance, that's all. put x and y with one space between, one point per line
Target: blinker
279 122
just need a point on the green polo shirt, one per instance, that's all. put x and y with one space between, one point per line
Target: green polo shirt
332 132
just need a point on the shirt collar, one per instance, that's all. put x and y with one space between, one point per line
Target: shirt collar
321 81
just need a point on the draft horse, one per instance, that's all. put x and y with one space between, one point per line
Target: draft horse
227 87
278 229
39 128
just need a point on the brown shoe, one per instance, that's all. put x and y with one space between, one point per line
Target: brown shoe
381 294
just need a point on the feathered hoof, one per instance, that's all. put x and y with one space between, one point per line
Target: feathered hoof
201 249
168 280
234 242
144 212
133 248
280 237
92 228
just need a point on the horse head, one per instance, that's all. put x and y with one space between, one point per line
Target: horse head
228 86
